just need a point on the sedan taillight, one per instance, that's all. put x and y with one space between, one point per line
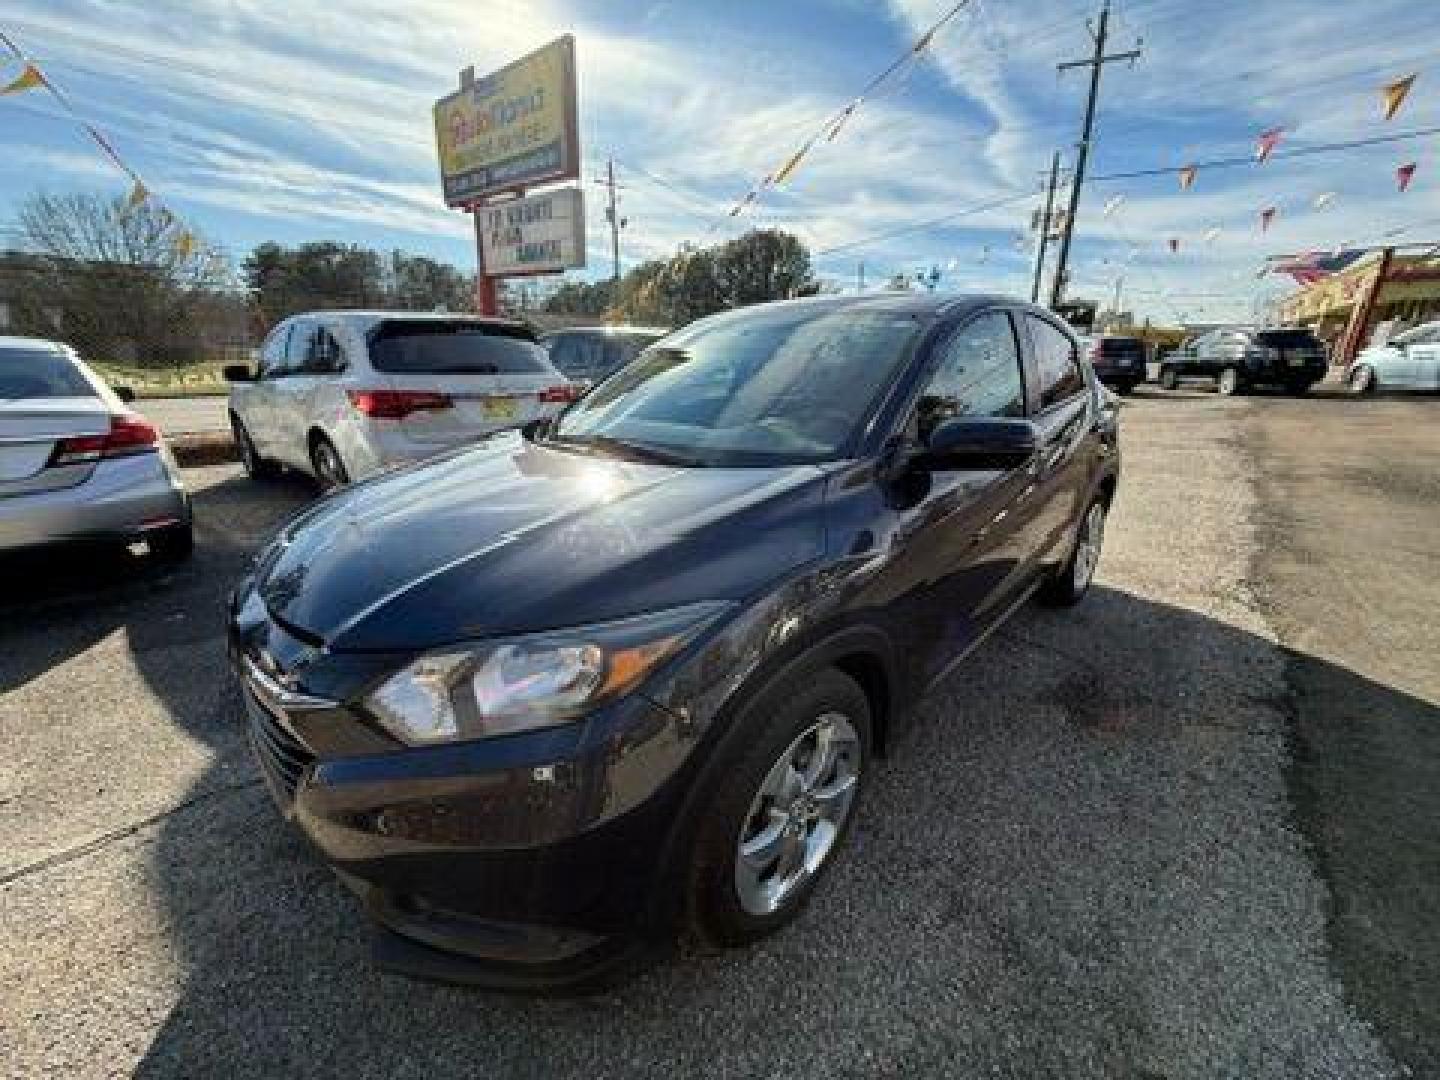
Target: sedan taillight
128 434
397 404
559 395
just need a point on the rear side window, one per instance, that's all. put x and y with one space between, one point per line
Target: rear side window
1121 346
438 347
1287 339
1056 366
31 373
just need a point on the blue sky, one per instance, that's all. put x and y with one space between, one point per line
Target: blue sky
301 120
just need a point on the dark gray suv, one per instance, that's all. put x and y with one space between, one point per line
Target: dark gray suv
1238 358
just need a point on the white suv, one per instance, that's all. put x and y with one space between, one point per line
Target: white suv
343 394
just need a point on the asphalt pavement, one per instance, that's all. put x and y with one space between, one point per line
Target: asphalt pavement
1185 830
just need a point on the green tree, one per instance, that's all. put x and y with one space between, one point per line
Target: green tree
417 283
313 276
762 265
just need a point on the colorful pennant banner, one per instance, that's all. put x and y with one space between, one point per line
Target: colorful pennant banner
1266 217
1404 174
28 79
1267 142
1393 95
1187 177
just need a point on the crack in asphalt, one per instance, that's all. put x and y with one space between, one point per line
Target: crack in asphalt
105 839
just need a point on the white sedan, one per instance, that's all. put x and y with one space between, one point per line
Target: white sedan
344 394
1408 361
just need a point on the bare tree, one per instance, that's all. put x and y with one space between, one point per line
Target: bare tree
118 282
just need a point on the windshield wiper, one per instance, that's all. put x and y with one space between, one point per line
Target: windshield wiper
610 446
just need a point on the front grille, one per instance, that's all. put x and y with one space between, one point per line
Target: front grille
282 758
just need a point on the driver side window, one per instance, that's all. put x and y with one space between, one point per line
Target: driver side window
977 373
272 355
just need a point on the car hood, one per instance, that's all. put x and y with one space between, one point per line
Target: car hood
513 537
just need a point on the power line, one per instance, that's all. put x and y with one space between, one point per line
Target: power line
919 225
1300 151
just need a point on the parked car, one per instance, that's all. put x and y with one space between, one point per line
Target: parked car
586 354
1408 361
626 672
1238 359
1119 361
76 463
344 394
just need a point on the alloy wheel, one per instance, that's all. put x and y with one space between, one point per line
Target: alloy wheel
798 814
1228 382
329 469
1087 548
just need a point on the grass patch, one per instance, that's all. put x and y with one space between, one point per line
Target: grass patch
200 379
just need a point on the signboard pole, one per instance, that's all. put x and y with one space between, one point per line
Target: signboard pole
487 294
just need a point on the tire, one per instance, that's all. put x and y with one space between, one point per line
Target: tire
330 472
731 900
1229 383
256 467
172 544
1297 389
1069 584
1361 380
1169 378
1124 389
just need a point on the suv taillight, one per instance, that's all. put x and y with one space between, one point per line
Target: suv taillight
128 434
559 395
397 404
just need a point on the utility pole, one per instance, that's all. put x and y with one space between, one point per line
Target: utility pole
860 277
612 216
1045 229
1096 62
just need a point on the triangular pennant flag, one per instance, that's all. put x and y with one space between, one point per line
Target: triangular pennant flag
1267 142
791 165
1404 174
1324 199
138 194
1187 177
1266 217
1174 244
1211 235
1112 204
985 253
1392 95
26 80
840 120
185 244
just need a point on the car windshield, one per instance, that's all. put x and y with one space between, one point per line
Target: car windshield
785 385
37 373
459 346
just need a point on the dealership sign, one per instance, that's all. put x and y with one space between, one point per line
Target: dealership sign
513 128
539 234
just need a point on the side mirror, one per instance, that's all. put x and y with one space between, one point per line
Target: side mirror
985 442
125 394
237 373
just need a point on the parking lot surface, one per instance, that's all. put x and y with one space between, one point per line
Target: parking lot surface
183 415
1186 830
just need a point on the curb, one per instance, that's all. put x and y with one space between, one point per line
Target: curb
193 449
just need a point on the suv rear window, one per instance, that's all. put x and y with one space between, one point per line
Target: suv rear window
1121 346
435 347
1287 339
31 373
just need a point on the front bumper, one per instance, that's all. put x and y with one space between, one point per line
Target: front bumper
121 499
524 860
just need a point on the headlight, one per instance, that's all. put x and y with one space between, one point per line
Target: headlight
536 681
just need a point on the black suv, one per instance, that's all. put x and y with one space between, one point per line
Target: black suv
1238 359
627 671
1119 361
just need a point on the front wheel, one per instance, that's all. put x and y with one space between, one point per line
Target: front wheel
1228 383
783 805
1361 380
171 544
256 467
1297 389
1169 378
1071 582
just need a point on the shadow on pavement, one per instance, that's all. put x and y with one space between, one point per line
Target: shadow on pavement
1079 860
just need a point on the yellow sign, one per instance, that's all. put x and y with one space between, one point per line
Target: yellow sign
513 128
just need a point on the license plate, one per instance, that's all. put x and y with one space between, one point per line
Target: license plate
498 408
